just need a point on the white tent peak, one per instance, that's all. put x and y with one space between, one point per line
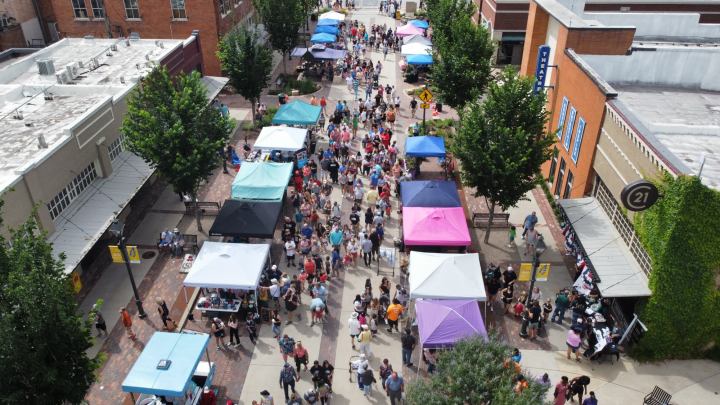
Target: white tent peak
430 274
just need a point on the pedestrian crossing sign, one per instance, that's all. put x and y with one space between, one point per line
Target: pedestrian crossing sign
426 96
132 253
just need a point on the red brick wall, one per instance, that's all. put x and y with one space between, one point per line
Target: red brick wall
12 38
156 23
598 41
511 21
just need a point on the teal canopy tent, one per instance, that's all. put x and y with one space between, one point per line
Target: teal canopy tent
261 181
297 113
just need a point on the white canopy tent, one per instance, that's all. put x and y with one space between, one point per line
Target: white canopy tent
236 266
416 39
415 48
282 138
446 276
332 15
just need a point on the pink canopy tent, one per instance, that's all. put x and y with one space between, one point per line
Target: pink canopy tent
407 30
424 226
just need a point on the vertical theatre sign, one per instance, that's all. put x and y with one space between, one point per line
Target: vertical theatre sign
543 61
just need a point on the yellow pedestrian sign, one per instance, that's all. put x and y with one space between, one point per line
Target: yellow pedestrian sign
543 272
426 96
424 105
132 253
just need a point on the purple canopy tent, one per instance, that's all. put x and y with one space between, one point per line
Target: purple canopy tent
442 323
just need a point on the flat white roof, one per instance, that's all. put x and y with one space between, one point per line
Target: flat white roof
619 272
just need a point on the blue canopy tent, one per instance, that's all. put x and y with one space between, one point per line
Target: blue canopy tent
425 146
183 350
261 181
429 193
327 29
419 60
327 21
297 113
420 24
323 38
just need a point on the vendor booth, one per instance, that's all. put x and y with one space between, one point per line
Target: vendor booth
332 15
415 49
297 113
419 60
416 39
247 219
229 274
446 276
327 29
169 369
261 181
407 30
425 226
425 146
327 21
422 24
323 38
442 323
319 54
429 193
282 138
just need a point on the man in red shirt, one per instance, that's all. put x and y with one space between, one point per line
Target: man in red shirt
309 268
323 103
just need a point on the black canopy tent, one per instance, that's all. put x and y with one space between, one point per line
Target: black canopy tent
247 219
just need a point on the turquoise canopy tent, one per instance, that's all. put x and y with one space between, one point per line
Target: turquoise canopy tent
297 113
323 38
420 24
261 181
419 59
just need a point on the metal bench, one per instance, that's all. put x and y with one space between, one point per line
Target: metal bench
203 206
658 396
500 220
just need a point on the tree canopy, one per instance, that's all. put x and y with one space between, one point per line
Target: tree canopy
475 372
462 53
171 125
282 20
246 62
502 142
682 313
44 336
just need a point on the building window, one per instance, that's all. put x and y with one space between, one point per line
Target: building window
569 129
553 165
568 185
561 174
97 9
561 120
578 140
63 199
132 10
178 9
4 21
79 9
116 147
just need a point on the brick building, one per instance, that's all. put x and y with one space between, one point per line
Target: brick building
173 19
20 26
507 19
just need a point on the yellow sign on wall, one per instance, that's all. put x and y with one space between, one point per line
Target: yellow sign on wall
543 272
132 253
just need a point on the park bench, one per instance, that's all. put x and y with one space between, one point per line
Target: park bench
658 396
203 206
500 220
191 243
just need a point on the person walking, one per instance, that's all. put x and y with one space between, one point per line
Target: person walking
529 223
562 302
394 387
217 327
561 391
288 377
591 400
127 323
251 327
386 370
100 324
364 340
367 246
413 107
578 386
234 332
392 314
301 356
290 251
573 344
292 301
367 378
276 324
354 328
287 346
534 313
408 342
164 313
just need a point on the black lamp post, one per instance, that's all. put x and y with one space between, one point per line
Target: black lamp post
116 228
540 248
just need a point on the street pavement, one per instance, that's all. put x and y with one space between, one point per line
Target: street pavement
242 373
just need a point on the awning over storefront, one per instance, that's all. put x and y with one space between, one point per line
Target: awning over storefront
610 258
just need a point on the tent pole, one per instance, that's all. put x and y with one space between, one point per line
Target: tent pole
186 297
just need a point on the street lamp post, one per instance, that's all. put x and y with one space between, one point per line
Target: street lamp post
116 228
539 250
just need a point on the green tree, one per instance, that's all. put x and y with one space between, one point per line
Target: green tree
462 53
44 336
247 63
473 372
682 312
171 125
282 20
502 142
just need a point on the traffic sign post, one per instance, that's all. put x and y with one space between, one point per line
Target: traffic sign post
426 96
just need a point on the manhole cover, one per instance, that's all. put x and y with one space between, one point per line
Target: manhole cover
149 254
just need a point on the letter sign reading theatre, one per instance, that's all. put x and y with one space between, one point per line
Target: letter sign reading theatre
543 60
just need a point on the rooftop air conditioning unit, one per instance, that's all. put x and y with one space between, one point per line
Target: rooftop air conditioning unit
94 63
46 67
18 115
80 64
72 71
62 77
113 47
49 96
